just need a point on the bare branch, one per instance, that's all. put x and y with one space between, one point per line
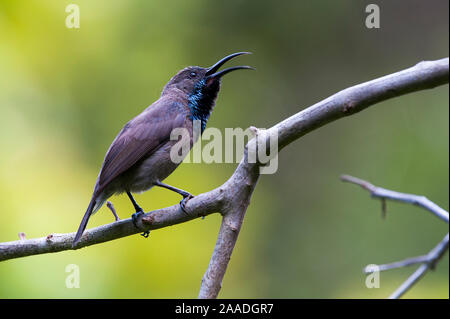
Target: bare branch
428 261
424 75
398 264
432 258
384 194
234 212
233 197
200 205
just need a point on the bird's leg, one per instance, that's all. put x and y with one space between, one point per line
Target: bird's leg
139 211
186 195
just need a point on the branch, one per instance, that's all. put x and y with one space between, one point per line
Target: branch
200 205
384 194
429 260
233 197
429 263
234 214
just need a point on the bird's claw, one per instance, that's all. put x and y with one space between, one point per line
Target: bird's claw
145 234
135 218
184 201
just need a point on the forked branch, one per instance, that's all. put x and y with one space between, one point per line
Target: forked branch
427 261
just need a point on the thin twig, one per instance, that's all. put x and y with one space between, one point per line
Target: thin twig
384 194
433 257
113 210
397 264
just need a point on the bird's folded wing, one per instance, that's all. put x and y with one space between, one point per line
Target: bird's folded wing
139 138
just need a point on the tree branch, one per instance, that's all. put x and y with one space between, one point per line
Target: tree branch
429 263
234 212
233 197
384 194
429 260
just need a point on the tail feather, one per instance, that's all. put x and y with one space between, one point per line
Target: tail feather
84 222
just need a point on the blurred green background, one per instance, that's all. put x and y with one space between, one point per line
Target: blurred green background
65 94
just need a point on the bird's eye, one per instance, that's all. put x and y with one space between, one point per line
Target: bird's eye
193 74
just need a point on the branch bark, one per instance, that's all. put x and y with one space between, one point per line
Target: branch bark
233 197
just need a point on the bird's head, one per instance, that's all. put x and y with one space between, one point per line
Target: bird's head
201 85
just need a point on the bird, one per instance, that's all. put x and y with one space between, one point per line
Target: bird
139 157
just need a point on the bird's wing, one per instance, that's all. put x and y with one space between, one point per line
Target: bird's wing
139 138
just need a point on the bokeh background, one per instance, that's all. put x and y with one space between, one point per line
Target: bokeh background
65 94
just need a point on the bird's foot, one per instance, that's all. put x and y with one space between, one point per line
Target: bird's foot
145 234
183 202
135 218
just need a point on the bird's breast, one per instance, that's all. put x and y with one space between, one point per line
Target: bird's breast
156 167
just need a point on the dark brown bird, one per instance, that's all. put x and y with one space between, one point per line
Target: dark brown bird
139 157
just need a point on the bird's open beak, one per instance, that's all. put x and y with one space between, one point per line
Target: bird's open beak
211 72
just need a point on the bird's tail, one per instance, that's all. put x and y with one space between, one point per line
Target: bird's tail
90 210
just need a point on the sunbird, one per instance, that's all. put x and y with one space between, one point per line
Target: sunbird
139 157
